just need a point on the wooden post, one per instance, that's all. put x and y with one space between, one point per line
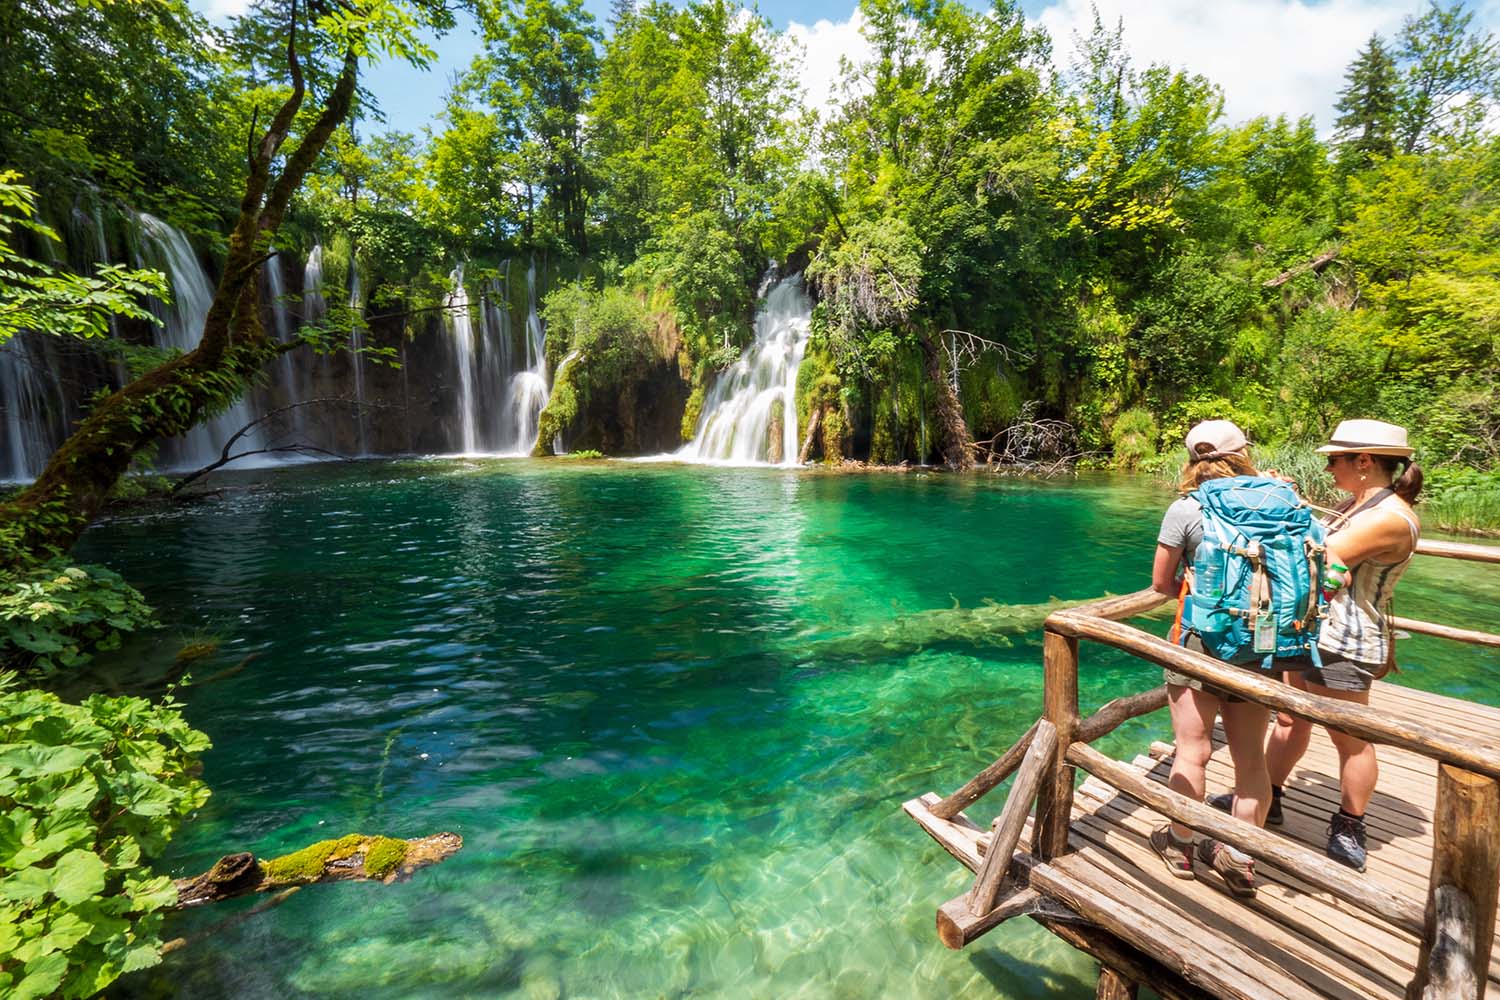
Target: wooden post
1465 857
1054 808
1007 826
1113 986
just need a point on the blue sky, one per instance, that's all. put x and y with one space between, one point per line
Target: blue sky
1269 56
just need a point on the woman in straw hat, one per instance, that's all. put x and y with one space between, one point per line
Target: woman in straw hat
1373 535
1216 449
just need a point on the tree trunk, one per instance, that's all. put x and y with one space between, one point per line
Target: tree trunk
352 858
953 434
46 518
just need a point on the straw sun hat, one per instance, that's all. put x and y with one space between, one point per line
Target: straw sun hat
1368 437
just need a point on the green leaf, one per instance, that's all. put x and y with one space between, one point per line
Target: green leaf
35 761
79 875
43 976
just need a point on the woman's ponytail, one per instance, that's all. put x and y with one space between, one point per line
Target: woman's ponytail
1407 485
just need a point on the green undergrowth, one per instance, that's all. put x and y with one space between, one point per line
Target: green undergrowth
53 617
89 793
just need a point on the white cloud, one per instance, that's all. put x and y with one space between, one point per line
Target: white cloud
823 45
219 10
1269 57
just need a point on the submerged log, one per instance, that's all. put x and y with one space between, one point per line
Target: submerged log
354 858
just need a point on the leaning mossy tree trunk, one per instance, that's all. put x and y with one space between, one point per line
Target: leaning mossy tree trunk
954 440
47 517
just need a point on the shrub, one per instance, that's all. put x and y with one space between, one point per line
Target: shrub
55 616
1133 437
88 793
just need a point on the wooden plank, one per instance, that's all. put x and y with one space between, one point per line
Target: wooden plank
1120 710
958 925
1316 921
1113 986
958 836
1312 868
1221 966
1465 635
1268 925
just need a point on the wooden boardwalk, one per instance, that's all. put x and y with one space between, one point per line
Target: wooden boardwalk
1418 924
1292 940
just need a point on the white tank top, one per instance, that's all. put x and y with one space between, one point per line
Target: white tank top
1357 625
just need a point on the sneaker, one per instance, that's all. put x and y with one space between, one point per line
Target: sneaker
1175 855
1238 876
1346 840
1224 802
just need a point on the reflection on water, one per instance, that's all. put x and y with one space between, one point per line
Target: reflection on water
608 679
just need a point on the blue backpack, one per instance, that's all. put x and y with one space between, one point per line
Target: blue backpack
1256 575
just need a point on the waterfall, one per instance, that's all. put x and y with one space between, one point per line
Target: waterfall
281 325
314 308
357 352
736 420
496 364
32 406
167 249
528 389
457 311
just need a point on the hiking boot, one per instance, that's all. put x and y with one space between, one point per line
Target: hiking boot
1175 855
1346 840
1238 876
1224 802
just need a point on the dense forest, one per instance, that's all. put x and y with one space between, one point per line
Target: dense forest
1012 262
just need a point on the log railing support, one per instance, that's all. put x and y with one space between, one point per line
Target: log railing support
1007 826
1113 986
983 782
1054 808
1465 858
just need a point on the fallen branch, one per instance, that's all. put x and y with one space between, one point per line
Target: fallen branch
299 448
1315 265
354 858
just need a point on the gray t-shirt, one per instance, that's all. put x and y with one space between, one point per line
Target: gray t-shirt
1182 527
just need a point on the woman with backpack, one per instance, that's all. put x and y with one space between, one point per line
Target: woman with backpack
1373 536
1216 449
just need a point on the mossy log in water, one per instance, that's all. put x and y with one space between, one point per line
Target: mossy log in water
990 624
354 857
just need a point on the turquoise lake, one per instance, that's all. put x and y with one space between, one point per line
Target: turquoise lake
671 710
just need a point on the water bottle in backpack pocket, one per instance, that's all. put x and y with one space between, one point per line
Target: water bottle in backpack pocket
1255 593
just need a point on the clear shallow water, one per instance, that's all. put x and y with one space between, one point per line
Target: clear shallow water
611 680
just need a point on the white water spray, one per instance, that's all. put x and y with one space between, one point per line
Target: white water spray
735 425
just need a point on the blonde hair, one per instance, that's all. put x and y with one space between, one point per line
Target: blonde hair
1196 473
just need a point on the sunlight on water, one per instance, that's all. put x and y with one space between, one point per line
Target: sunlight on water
662 705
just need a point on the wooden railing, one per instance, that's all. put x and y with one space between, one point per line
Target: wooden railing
1456 926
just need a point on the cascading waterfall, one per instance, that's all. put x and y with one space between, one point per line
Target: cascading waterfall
314 308
167 249
357 353
457 310
496 364
737 415
32 406
528 389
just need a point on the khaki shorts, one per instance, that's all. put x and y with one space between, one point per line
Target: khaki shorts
1196 645
1339 674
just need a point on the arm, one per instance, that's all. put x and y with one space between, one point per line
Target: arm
1375 534
1164 579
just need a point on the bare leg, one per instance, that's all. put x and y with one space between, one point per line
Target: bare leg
1193 714
1245 728
1288 741
1358 768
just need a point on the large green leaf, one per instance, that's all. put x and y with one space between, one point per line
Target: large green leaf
78 875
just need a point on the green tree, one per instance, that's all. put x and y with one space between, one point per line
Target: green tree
1452 75
1366 122
540 69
